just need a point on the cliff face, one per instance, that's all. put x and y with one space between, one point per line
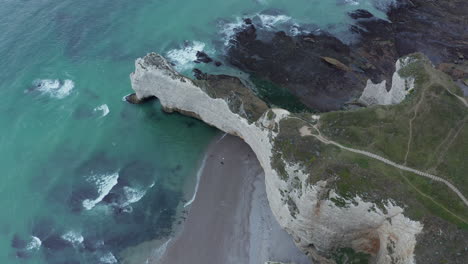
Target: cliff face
325 222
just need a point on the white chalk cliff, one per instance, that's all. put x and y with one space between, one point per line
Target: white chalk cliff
317 224
377 94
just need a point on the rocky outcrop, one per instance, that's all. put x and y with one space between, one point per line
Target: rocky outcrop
309 210
377 94
296 62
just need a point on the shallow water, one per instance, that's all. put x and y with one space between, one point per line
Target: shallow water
86 175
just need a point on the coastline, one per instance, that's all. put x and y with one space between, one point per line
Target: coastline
230 220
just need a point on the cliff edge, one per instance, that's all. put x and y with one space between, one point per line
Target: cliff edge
341 205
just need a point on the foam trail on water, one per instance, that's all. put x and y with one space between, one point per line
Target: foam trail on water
159 252
54 88
200 170
104 184
103 108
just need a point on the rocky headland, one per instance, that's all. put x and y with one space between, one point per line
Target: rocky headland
337 204
378 175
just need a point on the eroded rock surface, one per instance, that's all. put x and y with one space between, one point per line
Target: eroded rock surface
436 28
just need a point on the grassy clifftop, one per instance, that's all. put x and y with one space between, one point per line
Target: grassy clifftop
428 131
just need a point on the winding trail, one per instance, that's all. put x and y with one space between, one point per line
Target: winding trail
306 132
382 159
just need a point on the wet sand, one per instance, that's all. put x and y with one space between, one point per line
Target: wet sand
230 220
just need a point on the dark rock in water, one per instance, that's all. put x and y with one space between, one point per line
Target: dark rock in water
203 57
82 112
139 171
176 168
247 21
18 243
42 228
199 75
113 198
437 29
190 124
92 245
360 13
99 163
302 69
77 197
23 254
55 242
133 99
218 63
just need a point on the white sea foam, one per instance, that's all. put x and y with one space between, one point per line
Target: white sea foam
352 2
108 258
184 57
229 30
103 108
132 195
34 244
267 21
104 184
199 172
73 237
270 21
54 88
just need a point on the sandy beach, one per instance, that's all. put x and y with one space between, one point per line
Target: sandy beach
230 220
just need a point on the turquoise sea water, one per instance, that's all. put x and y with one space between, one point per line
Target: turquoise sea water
84 174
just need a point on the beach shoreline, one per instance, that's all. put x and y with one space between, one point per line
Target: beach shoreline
230 220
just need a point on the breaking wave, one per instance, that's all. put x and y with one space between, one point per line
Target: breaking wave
104 184
228 30
34 244
184 57
199 172
73 237
54 88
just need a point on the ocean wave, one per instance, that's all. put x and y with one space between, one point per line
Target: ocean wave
108 258
103 108
159 252
73 237
229 30
54 88
34 244
104 184
199 172
184 57
261 20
